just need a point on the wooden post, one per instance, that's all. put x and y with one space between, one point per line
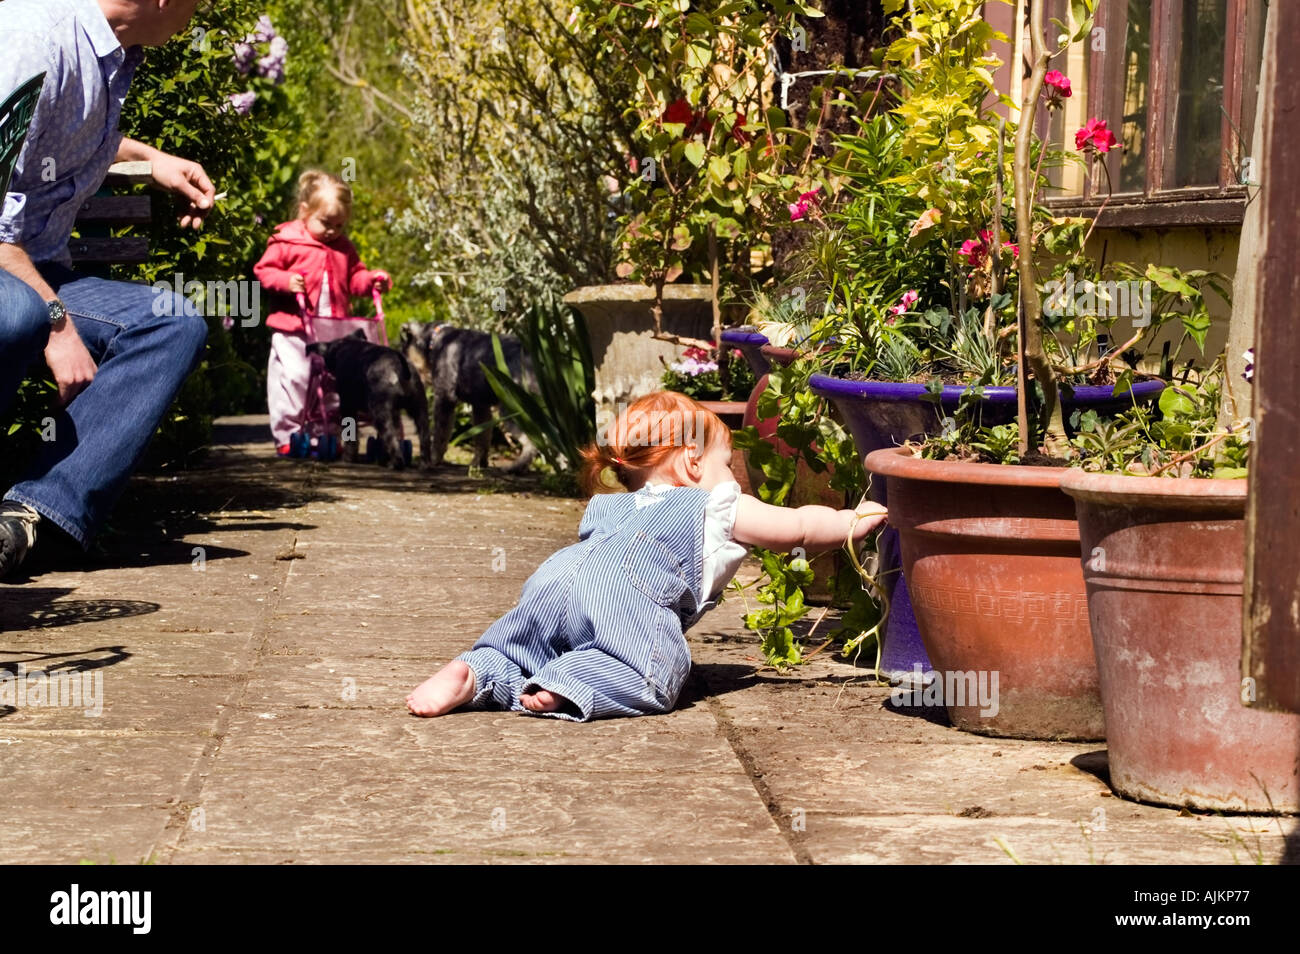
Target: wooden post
715 280
1271 649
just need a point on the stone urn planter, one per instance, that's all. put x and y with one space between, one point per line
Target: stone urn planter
1164 560
629 360
990 555
883 414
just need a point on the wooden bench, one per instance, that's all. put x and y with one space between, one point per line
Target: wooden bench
103 213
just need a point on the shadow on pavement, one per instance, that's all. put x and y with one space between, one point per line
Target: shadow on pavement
33 607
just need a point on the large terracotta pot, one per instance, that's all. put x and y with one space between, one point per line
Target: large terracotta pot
885 414
1164 560
990 554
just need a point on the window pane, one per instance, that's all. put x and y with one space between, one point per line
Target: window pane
1198 133
1137 72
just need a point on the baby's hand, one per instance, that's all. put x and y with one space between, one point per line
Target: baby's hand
382 281
297 284
869 519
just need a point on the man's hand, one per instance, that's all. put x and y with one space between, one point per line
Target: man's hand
69 361
188 180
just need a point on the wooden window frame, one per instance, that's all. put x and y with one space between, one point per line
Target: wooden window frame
1223 204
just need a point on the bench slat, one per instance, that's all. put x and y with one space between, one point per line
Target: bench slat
119 251
129 173
116 210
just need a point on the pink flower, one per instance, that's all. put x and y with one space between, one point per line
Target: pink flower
1057 86
975 252
1095 137
806 201
906 302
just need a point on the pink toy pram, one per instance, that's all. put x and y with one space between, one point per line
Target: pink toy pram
319 437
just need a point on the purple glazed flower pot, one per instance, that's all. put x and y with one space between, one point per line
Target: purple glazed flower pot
885 414
750 344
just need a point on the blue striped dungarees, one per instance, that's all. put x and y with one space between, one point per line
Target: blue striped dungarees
601 621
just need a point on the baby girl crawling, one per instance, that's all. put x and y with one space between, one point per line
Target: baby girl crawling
598 630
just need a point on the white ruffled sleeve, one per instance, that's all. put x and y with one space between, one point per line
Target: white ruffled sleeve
722 555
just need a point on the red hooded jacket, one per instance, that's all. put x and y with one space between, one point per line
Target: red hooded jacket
292 251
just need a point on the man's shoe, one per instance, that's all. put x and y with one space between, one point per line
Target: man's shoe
17 534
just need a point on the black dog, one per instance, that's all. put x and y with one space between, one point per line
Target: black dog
449 360
377 380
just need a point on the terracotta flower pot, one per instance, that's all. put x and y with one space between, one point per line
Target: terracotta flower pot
990 554
1164 561
810 487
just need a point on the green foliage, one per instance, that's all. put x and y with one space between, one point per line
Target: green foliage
783 605
820 442
733 380
709 152
561 418
359 126
515 128
1181 437
949 134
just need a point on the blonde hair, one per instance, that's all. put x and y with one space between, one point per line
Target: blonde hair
320 191
645 435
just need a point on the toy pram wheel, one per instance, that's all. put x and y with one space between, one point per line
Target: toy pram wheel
407 452
299 444
329 447
372 450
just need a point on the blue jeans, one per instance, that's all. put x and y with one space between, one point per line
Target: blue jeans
143 359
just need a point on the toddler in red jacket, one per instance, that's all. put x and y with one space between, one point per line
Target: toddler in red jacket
311 255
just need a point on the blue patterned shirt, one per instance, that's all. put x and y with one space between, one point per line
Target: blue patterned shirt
73 137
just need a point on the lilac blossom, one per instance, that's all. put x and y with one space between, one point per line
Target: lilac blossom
242 103
263 31
245 55
272 65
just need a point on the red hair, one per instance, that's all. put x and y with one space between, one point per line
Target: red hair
645 435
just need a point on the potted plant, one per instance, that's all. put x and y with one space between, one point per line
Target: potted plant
1161 509
989 551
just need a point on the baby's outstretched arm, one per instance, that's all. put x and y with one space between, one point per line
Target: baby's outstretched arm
812 527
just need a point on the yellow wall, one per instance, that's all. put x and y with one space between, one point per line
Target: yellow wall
1213 249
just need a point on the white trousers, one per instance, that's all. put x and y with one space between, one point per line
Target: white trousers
288 373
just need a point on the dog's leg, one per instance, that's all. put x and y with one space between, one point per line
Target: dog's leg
384 413
349 448
482 413
444 416
418 406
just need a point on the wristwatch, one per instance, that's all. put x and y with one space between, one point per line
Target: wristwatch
57 311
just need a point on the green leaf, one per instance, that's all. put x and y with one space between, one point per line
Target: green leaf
1174 403
694 153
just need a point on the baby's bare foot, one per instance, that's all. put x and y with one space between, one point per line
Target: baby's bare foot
541 701
449 687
